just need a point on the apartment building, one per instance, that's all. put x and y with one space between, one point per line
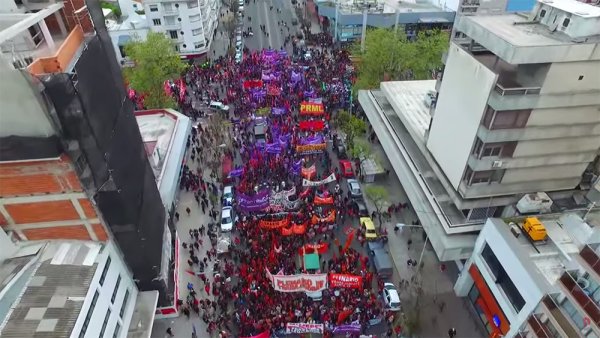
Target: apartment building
515 112
73 164
70 289
521 288
190 24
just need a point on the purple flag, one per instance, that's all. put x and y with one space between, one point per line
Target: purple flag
273 148
312 140
236 172
350 328
256 202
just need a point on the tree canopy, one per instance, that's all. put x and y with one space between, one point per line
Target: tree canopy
379 196
155 62
351 125
390 55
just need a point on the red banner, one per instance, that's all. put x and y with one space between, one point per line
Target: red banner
327 219
323 200
305 192
309 172
299 229
311 108
320 248
317 125
337 280
253 84
273 224
265 334
286 231
273 90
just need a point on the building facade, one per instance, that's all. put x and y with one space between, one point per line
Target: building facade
493 127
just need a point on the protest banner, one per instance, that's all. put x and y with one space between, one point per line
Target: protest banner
309 172
328 179
286 231
307 149
253 84
298 283
269 225
257 202
311 108
291 328
320 248
327 219
337 280
273 90
265 334
323 200
317 125
348 328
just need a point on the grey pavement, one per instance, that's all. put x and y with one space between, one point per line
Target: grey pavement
437 286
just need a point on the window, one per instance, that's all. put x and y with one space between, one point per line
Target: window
184 45
114 294
117 330
173 34
505 119
196 32
566 22
106 318
580 77
168 7
484 176
192 4
502 279
542 13
124 305
491 150
153 8
88 316
105 271
477 147
156 22
169 20
195 18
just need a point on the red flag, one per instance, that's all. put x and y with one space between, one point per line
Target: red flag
349 241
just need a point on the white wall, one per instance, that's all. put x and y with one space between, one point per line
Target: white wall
464 92
117 267
564 77
133 33
557 146
555 172
515 262
564 116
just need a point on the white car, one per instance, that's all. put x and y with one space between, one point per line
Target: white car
219 105
226 219
228 195
241 8
354 190
391 297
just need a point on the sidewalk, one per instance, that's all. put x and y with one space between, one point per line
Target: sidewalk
437 285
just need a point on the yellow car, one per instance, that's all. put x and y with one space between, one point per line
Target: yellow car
367 224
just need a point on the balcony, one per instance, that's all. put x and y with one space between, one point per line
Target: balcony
171 25
540 329
500 89
591 259
562 319
61 59
578 292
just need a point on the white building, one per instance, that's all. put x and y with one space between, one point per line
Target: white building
517 113
130 26
520 288
70 289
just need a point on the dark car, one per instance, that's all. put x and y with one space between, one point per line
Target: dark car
360 207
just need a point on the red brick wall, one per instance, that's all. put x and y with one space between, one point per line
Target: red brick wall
36 212
82 18
100 232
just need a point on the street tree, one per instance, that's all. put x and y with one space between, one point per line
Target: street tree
155 61
351 125
380 197
389 55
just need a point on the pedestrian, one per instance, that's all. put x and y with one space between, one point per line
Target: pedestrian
170 332
452 333
188 210
177 216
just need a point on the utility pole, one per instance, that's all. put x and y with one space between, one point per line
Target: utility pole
364 29
397 21
335 36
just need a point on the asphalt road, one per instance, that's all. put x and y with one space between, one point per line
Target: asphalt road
260 13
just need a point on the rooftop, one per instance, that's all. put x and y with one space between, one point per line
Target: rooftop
129 22
409 97
388 6
575 7
50 303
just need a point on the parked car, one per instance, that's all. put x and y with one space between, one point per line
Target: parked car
354 189
346 168
219 105
360 207
228 195
391 297
226 219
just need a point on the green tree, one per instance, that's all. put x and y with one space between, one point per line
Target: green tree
351 125
155 62
389 55
379 196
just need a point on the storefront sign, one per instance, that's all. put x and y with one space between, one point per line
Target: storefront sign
291 328
328 179
310 148
310 108
317 125
298 283
337 280
273 224
257 202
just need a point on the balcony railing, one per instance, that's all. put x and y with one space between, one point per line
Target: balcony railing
63 56
591 258
587 304
561 317
517 91
539 328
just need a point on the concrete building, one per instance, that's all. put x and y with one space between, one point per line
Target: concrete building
70 289
131 25
73 163
521 288
190 24
497 131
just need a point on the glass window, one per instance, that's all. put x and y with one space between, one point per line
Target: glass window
156 22
153 8
105 271
117 330
124 305
114 294
173 34
477 147
88 316
566 22
502 279
491 150
198 45
195 18
106 318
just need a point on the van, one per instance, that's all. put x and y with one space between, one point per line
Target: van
382 263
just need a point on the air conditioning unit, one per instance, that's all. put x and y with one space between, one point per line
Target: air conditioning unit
497 164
